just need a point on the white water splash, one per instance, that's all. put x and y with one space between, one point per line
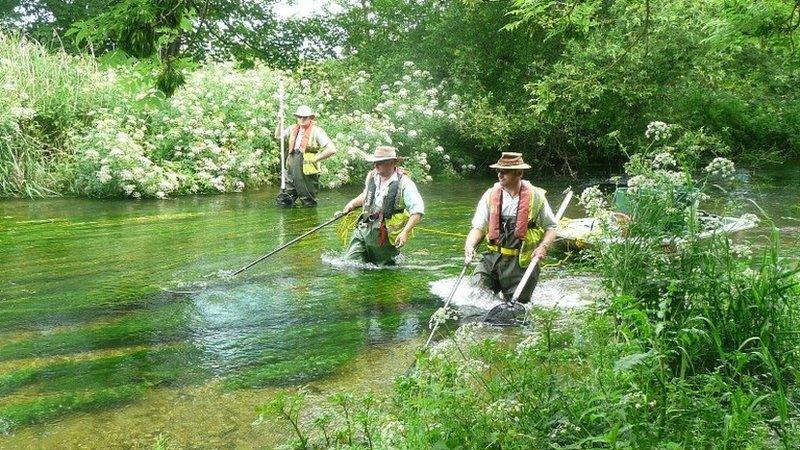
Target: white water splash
225 274
563 292
336 260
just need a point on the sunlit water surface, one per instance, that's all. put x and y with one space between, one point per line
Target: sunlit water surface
98 351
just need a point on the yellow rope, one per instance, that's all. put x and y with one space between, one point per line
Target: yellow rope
349 223
559 262
443 233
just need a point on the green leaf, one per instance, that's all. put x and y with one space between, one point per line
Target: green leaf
628 362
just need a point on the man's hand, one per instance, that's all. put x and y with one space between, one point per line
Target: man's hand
346 210
469 254
540 252
401 239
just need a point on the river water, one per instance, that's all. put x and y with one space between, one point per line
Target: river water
95 352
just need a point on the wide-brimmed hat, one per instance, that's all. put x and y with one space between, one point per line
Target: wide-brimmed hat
510 161
383 153
304 111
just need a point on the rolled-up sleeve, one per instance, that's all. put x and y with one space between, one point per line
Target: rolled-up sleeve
546 218
481 218
412 198
322 137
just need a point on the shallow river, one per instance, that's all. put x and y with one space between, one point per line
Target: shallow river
96 353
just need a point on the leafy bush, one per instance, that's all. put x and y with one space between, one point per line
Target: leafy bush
106 134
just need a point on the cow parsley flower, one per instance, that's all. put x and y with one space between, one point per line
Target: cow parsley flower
721 167
658 131
442 315
664 160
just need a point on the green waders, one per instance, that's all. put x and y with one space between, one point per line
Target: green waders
364 245
300 188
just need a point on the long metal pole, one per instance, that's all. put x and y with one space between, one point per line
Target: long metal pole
281 113
335 218
449 298
535 261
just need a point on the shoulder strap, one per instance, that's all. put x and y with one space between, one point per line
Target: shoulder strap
390 202
495 200
371 188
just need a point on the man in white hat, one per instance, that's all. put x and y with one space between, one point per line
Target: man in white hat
517 222
308 145
392 207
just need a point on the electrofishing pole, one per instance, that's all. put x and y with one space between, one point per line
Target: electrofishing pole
336 217
446 305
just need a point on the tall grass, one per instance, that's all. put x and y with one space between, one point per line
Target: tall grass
45 95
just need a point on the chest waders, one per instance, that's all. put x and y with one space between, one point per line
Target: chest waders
503 265
378 227
302 174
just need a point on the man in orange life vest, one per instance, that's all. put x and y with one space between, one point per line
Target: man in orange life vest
308 145
518 224
392 207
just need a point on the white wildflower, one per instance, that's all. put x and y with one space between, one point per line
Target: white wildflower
104 174
741 251
504 408
392 432
442 315
664 160
657 131
22 113
525 344
721 167
593 200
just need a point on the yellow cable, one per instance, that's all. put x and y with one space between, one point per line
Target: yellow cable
444 233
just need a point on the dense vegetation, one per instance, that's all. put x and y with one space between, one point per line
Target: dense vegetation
571 84
693 345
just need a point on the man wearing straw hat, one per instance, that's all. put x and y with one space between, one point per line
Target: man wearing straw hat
392 207
308 145
518 224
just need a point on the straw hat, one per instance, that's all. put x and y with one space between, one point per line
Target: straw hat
304 111
383 153
510 161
